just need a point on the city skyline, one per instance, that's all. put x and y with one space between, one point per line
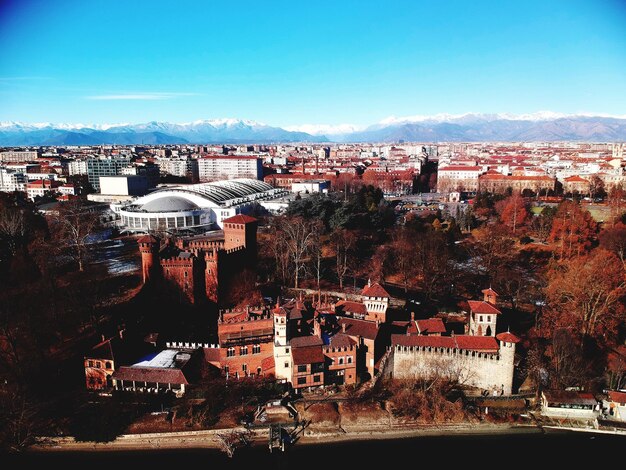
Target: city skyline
307 65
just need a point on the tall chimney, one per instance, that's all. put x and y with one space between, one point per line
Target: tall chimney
412 316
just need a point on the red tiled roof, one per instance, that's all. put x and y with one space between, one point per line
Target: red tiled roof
268 363
489 291
476 343
375 290
240 219
479 306
617 397
575 179
508 337
307 355
430 325
460 168
211 354
304 341
498 176
341 340
363 328
351 306
151 374
472 343
147 239
423 341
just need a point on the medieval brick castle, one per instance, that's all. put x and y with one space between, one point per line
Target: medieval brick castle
200 267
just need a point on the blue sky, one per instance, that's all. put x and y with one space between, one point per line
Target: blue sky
289 62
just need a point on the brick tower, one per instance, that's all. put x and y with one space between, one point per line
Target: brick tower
149 248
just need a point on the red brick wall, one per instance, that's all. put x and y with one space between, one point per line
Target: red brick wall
332 364
252 360
308 376
96 373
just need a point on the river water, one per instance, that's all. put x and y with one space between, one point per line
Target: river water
507 451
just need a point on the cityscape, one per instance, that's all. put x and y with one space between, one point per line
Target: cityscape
314 278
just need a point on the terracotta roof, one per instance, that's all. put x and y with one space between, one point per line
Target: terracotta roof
351 306
477 343
268 363
471 343
304 341
240 219
307 355
151 374
489 291
375 290
616 396
562 396
575 179
211 354
341 340
459 168
147 239
363 328
430 326
494 176
423 341
480 306
508 337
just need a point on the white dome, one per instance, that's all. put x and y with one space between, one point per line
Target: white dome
169 204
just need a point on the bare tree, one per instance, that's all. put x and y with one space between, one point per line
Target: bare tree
72 226
12 226
299 236
343 242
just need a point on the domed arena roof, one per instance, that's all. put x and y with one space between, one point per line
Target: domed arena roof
169 204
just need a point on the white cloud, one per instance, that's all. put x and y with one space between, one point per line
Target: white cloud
139 96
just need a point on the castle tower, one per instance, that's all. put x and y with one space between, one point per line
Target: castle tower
149 249
240 230
211 275
483 314
507 360
282 354
376 301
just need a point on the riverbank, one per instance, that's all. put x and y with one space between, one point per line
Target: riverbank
208 439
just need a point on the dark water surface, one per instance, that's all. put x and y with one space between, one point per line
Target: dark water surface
525 450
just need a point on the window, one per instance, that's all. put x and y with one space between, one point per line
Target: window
90 363
286 350
226 369
186 273
301 380
340 360
286 365
316 378
244 367
108 365
258 371
349 359
489 318
302 368
256 349
98 364
243 351
230 352
480 318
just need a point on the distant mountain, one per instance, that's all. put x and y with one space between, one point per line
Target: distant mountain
211 131
543 126
489 127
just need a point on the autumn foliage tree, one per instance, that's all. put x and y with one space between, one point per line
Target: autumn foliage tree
586 293
614 239
573 229
512 211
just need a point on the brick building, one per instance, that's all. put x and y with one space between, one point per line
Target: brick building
200 267
494 182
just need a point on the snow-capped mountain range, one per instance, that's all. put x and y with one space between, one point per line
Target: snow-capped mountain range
470 127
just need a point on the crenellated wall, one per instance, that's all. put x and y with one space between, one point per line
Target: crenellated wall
488 371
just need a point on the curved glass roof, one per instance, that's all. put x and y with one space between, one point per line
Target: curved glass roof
222 191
